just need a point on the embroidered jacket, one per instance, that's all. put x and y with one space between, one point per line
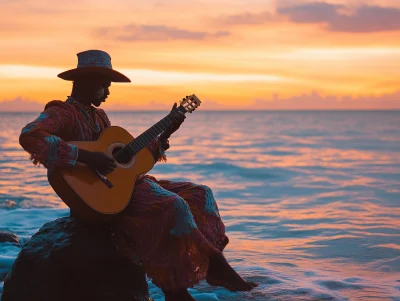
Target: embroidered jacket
46 137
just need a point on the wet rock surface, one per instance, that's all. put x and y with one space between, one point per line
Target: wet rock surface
65 260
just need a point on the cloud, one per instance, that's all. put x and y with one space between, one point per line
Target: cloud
335 17
20 105
248 18
365 18
133 32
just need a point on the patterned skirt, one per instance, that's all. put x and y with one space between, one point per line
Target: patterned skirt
172 228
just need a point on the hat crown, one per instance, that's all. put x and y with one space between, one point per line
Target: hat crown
94 58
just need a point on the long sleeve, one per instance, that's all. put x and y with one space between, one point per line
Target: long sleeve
41 138
158 147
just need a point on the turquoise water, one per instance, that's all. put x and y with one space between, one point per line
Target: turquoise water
311 200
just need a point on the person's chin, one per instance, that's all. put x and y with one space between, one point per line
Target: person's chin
97 103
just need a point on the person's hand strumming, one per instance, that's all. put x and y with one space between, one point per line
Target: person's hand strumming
97 160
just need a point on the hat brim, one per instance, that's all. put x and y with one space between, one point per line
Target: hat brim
113 75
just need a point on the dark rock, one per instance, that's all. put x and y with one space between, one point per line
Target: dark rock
65 260
6 236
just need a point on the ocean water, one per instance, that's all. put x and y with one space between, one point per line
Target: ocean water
310 200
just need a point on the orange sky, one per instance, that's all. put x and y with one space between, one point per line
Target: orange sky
233 54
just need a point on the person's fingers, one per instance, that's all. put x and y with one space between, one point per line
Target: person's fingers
174 106
108 162
111 164
180 118
109 169
109 159
103 171
175 122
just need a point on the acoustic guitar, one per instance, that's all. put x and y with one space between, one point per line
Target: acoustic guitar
94 197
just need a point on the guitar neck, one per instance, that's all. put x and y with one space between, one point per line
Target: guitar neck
146 137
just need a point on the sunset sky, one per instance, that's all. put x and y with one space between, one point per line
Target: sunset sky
233 54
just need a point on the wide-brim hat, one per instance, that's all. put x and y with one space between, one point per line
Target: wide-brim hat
94 61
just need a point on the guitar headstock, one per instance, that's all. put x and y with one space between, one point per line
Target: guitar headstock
190 103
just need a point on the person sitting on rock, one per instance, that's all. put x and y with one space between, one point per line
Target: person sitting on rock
173 228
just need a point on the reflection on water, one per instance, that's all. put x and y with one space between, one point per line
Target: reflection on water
311 200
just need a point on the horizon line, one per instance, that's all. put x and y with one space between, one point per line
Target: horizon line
238 110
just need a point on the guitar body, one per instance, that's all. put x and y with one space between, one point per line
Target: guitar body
86 194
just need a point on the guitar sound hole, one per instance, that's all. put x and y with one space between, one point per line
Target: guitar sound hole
123 158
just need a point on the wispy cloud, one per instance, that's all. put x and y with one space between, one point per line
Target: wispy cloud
335 17
43 7
248 18
365 18
19 104
134 32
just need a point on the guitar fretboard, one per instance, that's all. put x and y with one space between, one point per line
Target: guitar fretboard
146 137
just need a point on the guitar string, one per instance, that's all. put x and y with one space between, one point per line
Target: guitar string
124 150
